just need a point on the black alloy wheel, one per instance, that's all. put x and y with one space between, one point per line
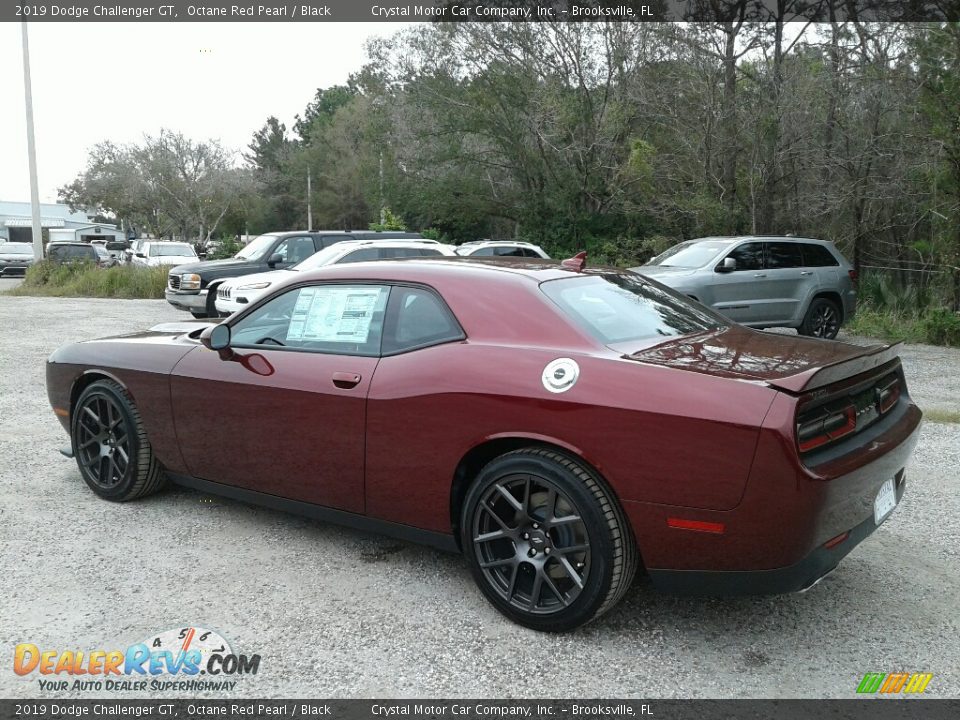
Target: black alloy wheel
548 545
110 445
822 320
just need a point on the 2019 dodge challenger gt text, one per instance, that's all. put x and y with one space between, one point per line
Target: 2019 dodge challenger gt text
560 425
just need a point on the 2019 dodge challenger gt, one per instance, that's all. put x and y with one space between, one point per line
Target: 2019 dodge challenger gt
559 424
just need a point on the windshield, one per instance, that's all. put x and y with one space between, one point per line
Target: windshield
173 249
16 249
618 308
691 254
256 247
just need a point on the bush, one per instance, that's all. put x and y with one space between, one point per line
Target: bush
87 280
941 326
630 252
227 249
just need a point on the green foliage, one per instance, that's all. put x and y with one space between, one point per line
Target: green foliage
941 326
87 280
390 222
431 233
894 312
881 292
630 252
227 249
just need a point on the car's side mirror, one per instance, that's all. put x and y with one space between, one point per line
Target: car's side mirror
275 260
140 255
217 337
728 265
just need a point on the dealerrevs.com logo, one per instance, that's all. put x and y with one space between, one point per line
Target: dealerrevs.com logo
182 653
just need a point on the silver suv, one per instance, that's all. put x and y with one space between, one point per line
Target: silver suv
763 281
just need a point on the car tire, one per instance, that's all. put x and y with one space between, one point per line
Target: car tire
822 320
110 445
198 315
212 311
549 568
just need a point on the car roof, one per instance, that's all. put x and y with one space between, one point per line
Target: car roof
757 238
485 243
404 242
455 268
69 242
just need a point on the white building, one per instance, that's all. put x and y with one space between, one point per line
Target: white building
57 221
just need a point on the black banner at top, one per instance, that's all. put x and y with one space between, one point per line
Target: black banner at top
481 10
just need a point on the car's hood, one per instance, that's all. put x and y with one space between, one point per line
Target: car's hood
169 260
662 271
214 269
12 257
273 276
788 362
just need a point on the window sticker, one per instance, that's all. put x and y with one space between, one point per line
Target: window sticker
333 314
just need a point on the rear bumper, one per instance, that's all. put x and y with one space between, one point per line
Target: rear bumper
13 270
849 305
800 576
776 539
187 301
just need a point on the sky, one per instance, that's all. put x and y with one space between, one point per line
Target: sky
118 81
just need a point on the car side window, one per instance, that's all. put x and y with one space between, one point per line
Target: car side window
294 249
417 318
749 256
332 318
817 256
783 255
483 252
359 256
509 251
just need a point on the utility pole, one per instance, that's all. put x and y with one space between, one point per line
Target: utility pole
31 148
309 203
383 208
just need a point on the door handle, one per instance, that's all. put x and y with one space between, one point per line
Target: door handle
346 380
806 272
759 274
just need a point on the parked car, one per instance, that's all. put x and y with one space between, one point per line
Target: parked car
133 248
15 258
501 248
153 253
569 423
193 287
105 258
69 252
763 282
236 293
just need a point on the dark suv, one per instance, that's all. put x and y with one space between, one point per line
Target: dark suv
66 252
193 287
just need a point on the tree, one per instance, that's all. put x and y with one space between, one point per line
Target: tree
168 185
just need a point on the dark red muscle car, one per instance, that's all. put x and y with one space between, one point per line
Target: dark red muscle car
559 425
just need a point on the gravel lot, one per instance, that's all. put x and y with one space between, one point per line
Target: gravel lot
339 613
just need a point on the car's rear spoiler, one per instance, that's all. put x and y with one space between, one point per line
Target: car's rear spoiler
873 357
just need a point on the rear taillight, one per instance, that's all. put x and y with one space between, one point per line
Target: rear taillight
888 395
852 274
826 427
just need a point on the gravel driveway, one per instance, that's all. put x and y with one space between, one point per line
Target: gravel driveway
335 612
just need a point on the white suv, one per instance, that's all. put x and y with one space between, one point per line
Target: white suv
501 248
156 253
237 293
